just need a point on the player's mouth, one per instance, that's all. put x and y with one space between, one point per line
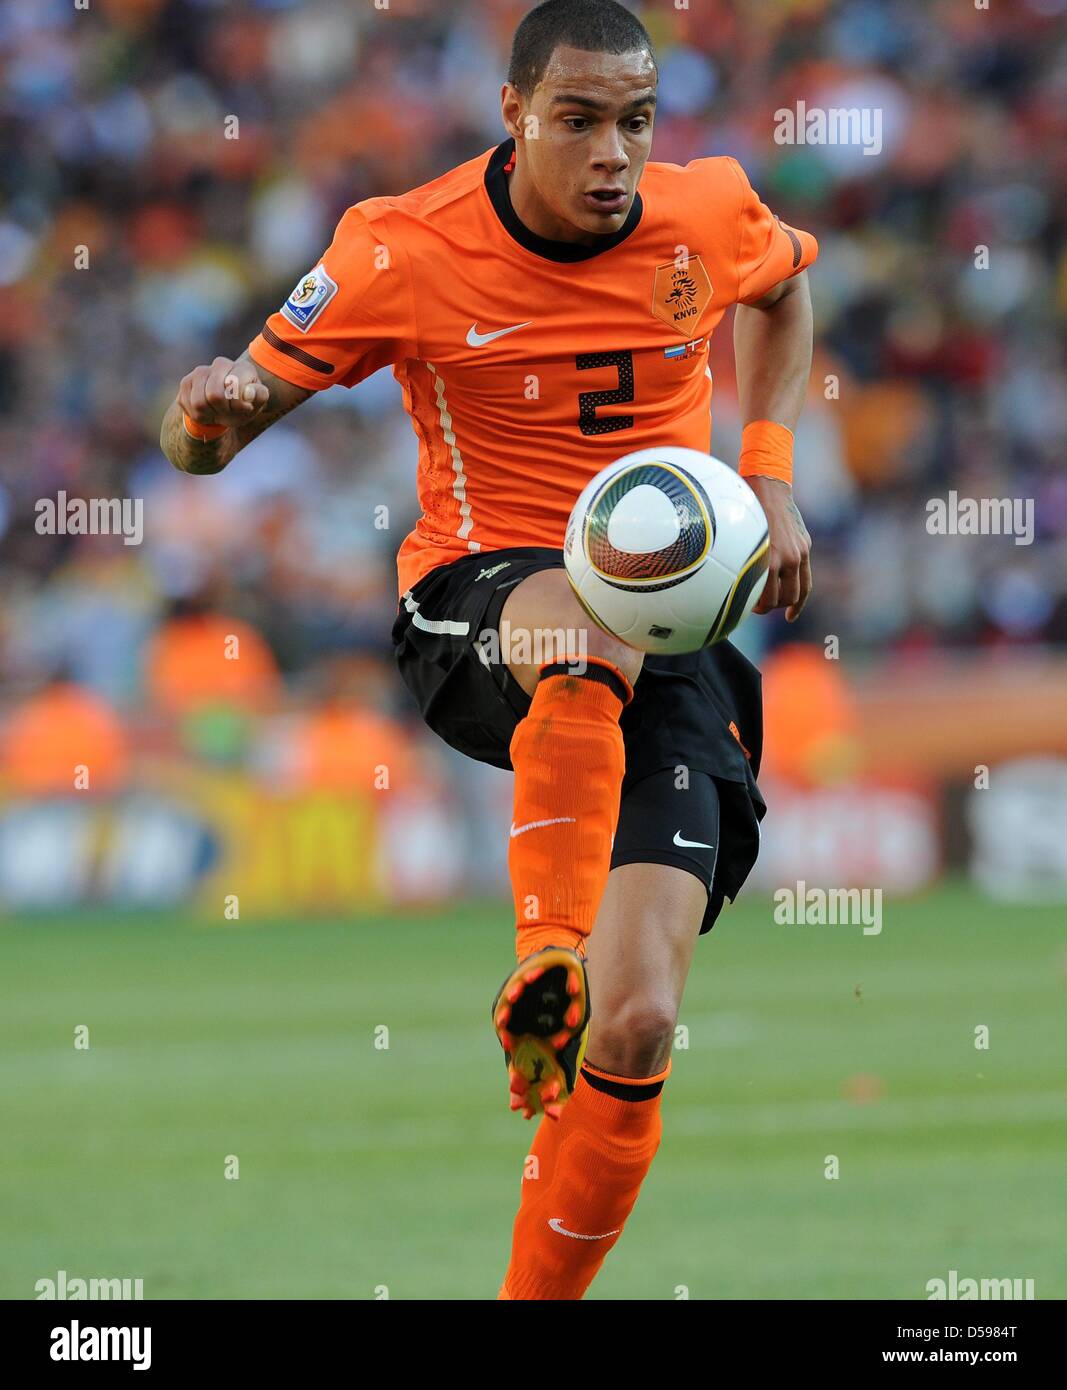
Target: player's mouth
607 200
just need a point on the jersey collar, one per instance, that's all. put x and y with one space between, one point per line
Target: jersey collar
496 185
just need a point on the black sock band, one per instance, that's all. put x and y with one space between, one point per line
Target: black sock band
620 1092
591 671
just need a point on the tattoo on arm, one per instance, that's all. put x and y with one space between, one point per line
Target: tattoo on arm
279 403
200 457
795 511
204 457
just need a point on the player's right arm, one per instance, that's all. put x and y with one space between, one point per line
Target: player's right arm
351 314
241 395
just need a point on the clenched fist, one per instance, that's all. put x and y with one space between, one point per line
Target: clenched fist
226 393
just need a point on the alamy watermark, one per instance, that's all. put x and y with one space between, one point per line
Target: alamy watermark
91 516
77 1343
69 1287
816 907
956 1288
834 125
985 516
524 646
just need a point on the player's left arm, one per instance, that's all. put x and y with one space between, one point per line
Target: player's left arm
772 349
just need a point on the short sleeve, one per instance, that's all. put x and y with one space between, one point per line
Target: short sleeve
768 251
352 313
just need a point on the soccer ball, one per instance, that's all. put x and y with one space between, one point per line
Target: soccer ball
667 549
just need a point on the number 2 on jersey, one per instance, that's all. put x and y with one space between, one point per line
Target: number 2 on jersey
588 401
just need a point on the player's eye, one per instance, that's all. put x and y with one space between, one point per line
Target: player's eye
634 124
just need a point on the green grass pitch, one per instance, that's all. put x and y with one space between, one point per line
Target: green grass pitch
363 1167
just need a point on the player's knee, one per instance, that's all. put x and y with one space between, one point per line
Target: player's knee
634 1039
605 647
545 622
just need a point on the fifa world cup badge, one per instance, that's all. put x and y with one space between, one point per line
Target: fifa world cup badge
310 296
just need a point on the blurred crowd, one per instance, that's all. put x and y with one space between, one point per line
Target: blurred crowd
137 240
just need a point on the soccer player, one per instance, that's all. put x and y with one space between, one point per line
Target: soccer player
546 308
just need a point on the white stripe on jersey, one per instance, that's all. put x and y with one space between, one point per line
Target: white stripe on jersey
459 473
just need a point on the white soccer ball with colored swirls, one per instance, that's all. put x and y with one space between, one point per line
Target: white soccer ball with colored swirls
667 549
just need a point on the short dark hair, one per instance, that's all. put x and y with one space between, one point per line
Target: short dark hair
596 26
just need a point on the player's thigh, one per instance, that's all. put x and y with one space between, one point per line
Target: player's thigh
639 954
545 622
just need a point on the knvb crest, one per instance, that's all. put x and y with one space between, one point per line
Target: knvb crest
680 294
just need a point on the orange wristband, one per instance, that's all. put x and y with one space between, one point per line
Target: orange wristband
766 451
202 432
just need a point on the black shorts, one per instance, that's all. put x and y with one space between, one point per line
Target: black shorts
693 732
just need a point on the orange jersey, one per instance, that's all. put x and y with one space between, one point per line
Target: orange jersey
528 365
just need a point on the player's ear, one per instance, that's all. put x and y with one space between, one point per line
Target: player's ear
511 110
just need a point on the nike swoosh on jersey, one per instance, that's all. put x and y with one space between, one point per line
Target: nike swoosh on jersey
476 339
689 844
557 1225
537 824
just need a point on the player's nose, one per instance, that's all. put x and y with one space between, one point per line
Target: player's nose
611 158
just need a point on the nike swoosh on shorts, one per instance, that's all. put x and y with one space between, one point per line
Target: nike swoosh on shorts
689 844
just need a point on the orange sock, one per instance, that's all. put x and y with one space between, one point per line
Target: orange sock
539 1166
569 761
607 1137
